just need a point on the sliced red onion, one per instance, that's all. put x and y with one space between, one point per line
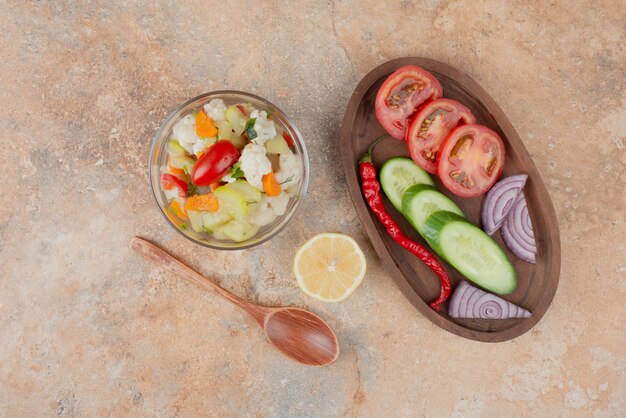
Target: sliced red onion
517 232
471 302
500 200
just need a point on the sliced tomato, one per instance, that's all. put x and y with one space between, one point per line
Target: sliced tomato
288 139
170 181
430 126
470 160
401 94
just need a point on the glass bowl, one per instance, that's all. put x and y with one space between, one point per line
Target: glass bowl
158 158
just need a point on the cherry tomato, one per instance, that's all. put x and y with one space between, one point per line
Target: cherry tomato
214 163
401 94
470 160
169 181
430 126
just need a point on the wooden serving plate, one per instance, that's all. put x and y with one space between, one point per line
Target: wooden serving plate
536 283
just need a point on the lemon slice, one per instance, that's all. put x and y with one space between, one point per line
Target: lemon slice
329 267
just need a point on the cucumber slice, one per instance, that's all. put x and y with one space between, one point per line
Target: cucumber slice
277 145
232 202
204 221
195 220
398 174
224 129
183 163
471 251
422 200
238 141
212 219
251 193
174 149
236 118
238 230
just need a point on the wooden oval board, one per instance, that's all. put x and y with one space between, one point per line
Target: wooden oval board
536 283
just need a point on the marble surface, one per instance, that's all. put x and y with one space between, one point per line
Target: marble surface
89 329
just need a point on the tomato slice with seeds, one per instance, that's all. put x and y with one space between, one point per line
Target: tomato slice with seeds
470 160
169 181
430 126
401 94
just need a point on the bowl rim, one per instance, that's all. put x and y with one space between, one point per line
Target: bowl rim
286 218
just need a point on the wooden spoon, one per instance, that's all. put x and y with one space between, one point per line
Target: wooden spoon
297 333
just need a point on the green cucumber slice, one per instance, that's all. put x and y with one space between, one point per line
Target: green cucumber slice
238 230
183 163
231 201
212 219
471 251
422 200
224 129
397 175
195 219
251 193
174 148
236 119
277 145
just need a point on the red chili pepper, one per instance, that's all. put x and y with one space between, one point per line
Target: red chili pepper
371 191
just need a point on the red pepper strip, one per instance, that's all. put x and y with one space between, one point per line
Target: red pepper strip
371 191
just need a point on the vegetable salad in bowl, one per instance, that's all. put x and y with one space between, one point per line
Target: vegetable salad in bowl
228 170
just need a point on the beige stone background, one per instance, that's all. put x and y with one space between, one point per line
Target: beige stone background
88 329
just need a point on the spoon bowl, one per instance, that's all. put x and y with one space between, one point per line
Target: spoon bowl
298 334
302 336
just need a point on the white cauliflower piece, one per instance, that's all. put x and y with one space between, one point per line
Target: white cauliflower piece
278 203
264 127
261 213
290 171
202 144
227 178
216 110
254 164
268 209
185 133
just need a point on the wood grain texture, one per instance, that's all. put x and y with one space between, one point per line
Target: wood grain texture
297 333
537 284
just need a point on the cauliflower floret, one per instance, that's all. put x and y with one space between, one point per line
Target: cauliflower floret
202 144
185 133
290 171
227 178
264 127
261 213
278 203
268 209
254 164
215 109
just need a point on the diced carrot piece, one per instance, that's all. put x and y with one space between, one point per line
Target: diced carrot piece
178 210
271 185
177 171
202 202
205 128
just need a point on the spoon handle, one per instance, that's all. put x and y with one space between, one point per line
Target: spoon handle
168 262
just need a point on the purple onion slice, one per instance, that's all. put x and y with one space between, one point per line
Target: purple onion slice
500 200
517 232
471 302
